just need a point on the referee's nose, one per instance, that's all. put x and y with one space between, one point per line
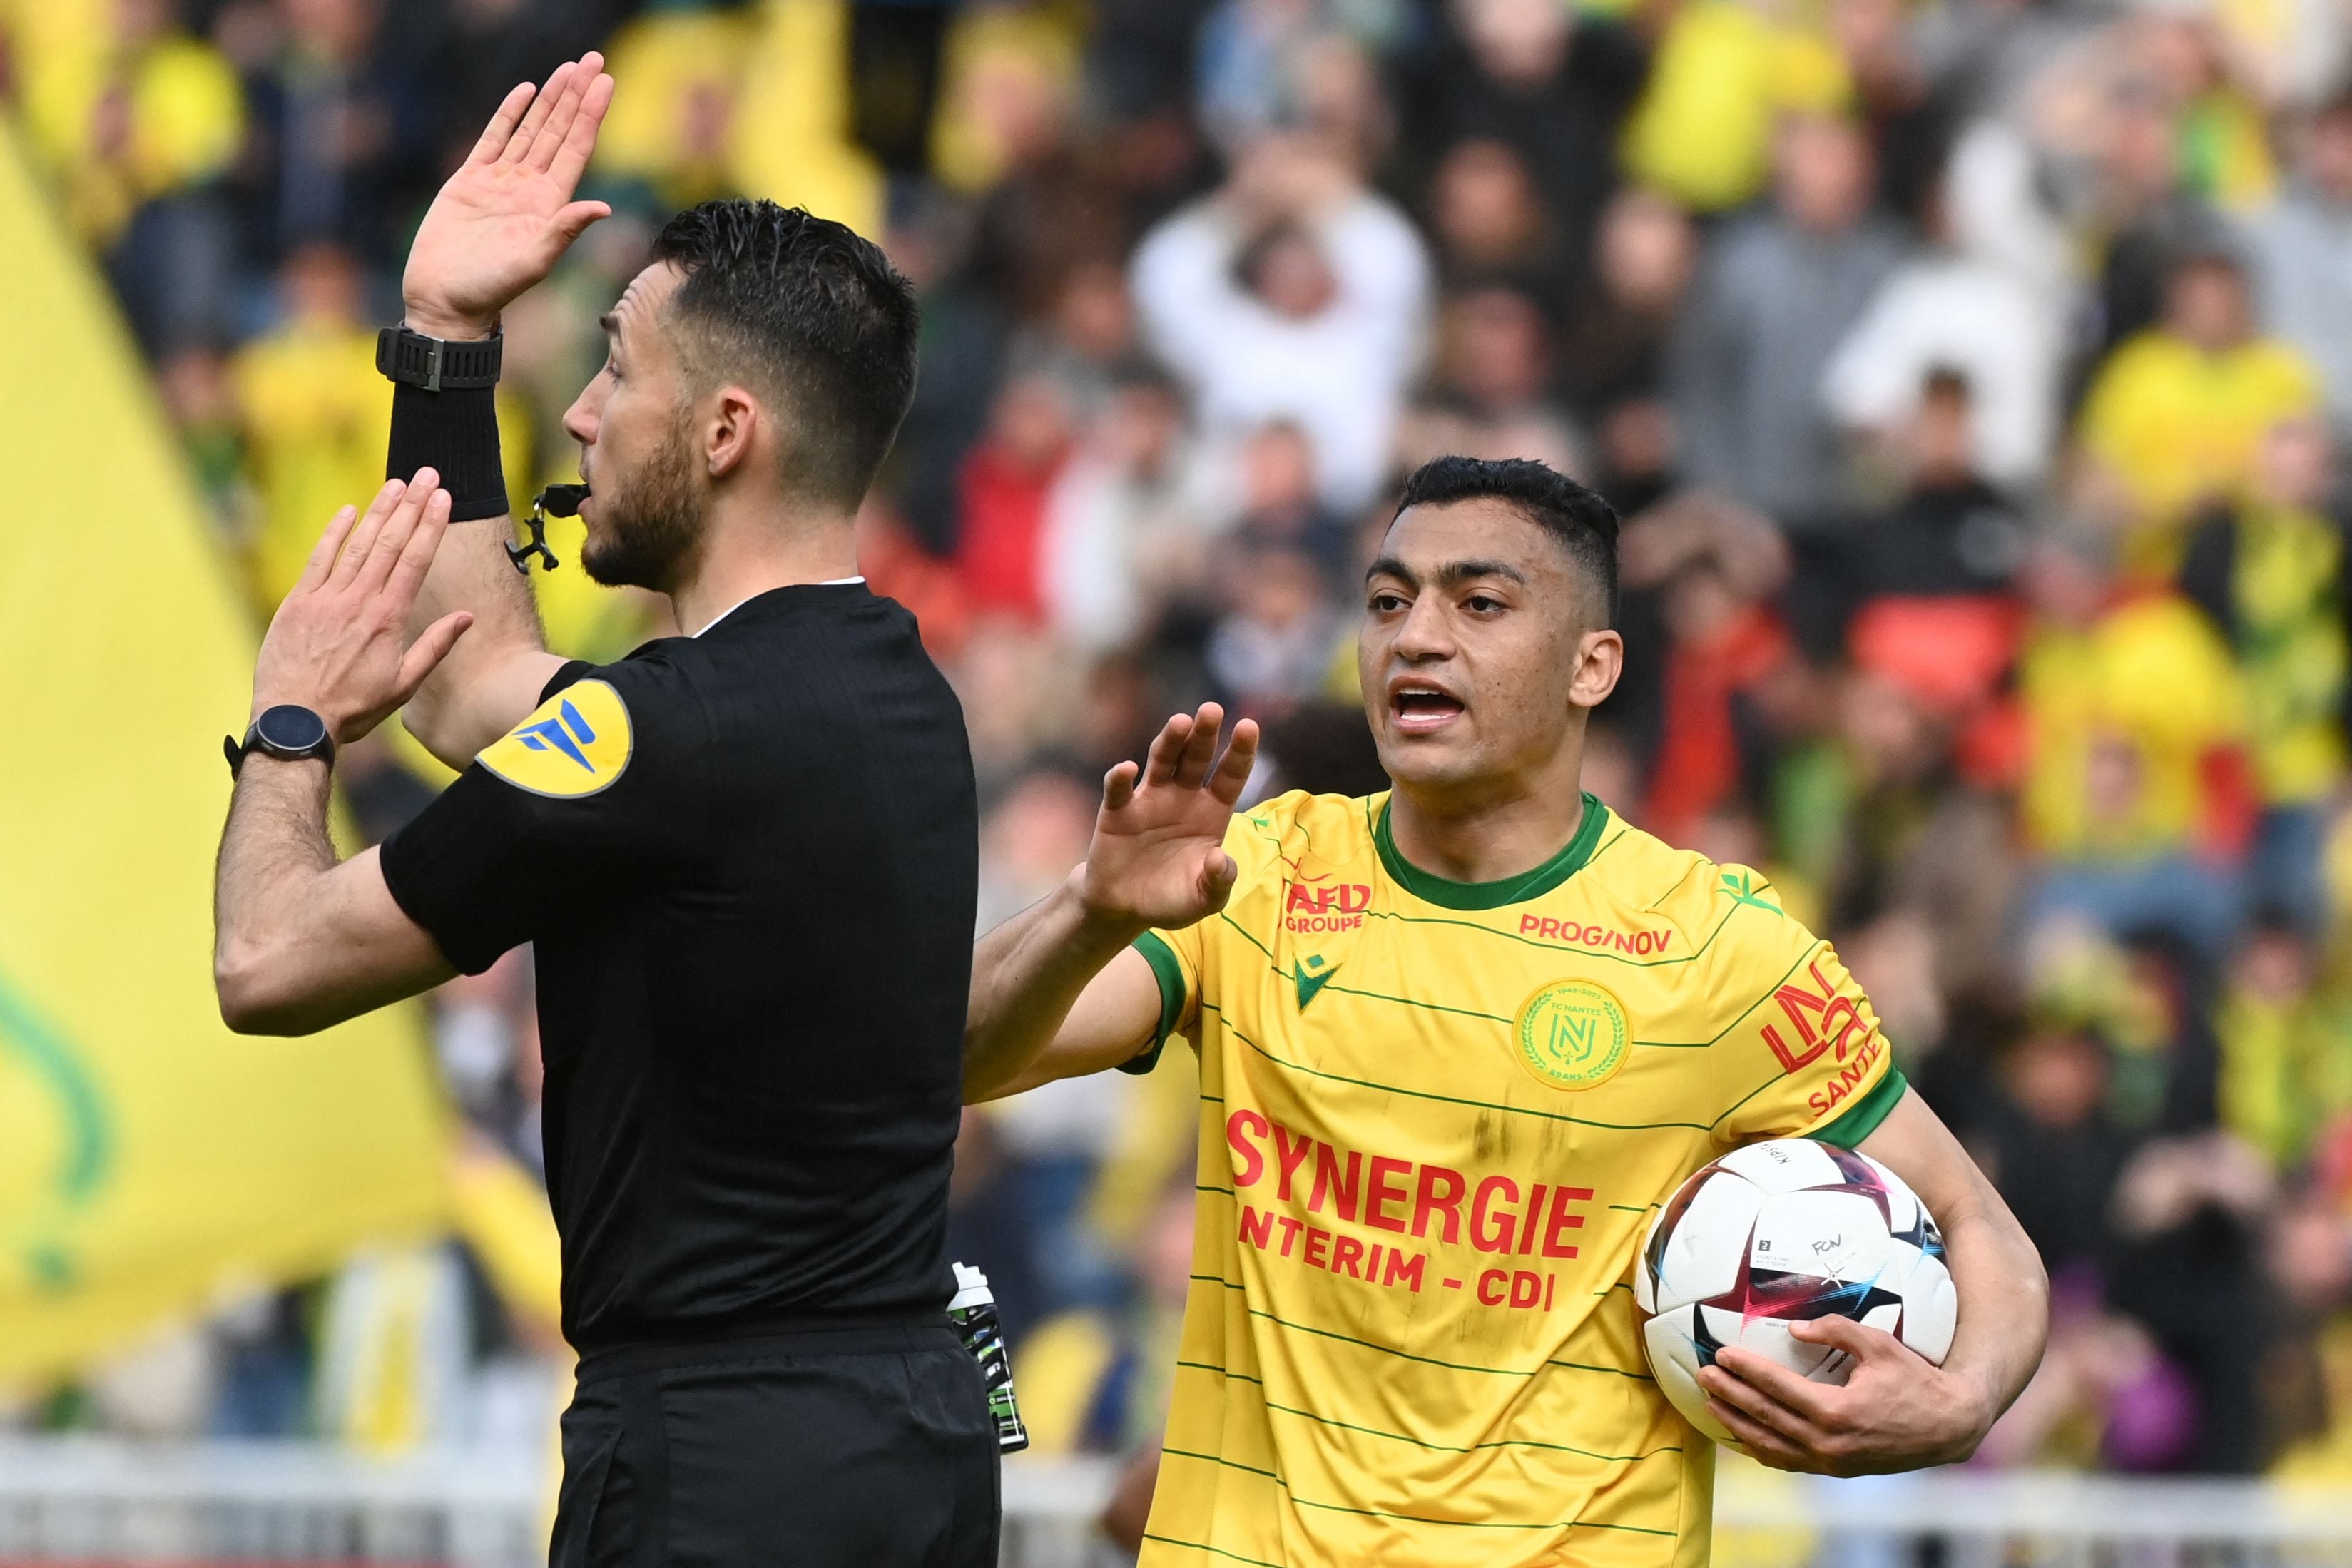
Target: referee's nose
585 417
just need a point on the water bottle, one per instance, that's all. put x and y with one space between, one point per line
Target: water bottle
973 1311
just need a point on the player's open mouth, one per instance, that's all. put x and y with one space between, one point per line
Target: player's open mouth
1418 709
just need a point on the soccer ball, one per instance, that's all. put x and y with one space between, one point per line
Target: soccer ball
1779 1231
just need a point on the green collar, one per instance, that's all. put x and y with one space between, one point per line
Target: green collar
1451 894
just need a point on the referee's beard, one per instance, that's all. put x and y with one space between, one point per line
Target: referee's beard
647 524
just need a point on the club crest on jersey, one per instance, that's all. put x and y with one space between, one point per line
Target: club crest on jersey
576 744
1573 1035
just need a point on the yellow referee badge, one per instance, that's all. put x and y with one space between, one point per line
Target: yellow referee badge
576 744
1573 1034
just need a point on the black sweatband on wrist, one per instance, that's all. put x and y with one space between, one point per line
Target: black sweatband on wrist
453 431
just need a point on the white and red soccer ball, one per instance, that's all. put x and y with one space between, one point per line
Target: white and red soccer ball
1776 1232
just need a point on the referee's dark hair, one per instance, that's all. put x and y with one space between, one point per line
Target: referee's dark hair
1585 524
809 313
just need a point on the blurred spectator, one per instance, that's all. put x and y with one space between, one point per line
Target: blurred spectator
1088 341
201 399
2284 1074
139 139
1724 73
1778 294
2186 56
2134 787
1713 569
894 65
1551 83
314 412
2308 1376
1488 220
343 136
2137 209
1127 525
1614 348
2303 248
2190 1213
1291 294
2271 572
896 567
2175 415
1491 395
1006 480
1948 310
1275 647
1950 532
1048 200
675 128
1280 503
1908 121
2054 1152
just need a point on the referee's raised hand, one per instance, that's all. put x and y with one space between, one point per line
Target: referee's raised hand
1157 856
505 216
338 646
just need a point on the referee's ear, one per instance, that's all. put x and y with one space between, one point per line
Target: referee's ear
731 429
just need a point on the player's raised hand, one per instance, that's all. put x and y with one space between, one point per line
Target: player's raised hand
503 219
337 644
1897 1411
1157 856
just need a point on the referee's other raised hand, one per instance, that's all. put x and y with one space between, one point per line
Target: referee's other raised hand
339 645
1157 856
506 215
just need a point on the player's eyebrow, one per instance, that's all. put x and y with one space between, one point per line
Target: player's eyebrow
1453 574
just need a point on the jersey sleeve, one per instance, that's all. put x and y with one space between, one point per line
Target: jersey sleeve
1801 1053
591 797
1178 957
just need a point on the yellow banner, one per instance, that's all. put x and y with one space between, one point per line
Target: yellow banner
149 1159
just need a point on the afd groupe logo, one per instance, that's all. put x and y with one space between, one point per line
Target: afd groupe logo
578 742
1333 907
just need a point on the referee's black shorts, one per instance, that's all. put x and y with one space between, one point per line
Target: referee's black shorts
853 1448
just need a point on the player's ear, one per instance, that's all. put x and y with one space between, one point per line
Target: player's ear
1600 659
728 430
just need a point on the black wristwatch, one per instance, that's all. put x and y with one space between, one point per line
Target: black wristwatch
439 364
286 731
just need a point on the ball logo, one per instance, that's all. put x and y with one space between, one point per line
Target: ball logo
1573 1034
576 744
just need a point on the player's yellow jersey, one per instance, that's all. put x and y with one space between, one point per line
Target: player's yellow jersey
1436 1118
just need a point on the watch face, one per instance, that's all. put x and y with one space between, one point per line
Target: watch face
286 727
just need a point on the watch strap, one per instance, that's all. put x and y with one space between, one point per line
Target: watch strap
439 364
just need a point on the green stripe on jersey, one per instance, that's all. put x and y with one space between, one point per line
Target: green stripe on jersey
1859 1120
1170 973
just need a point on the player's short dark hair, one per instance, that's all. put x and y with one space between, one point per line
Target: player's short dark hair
807 312
1585 524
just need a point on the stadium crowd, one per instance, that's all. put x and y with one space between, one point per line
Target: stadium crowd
1970 375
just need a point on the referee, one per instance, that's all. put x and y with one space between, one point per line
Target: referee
746 856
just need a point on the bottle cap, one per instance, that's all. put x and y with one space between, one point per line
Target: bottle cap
971 1288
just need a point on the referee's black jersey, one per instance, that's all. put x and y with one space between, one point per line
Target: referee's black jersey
747 861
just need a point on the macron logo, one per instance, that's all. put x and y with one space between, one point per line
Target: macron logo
566 733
